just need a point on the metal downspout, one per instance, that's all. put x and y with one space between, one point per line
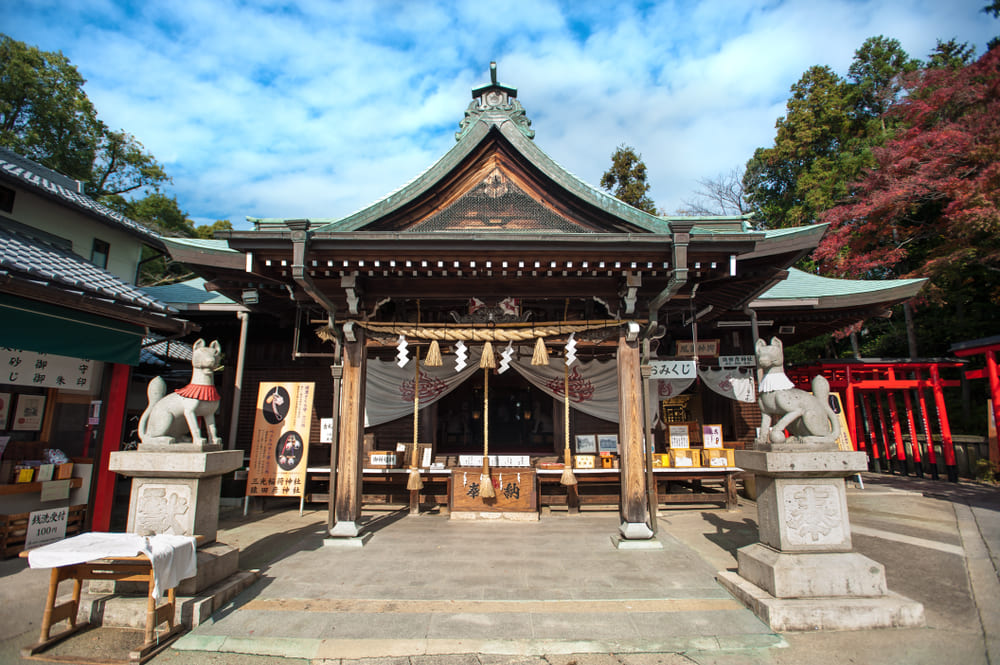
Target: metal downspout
681 239
300 242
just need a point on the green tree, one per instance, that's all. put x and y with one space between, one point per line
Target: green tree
789 183
46 116
626 179
825 140
44 113
207 231
951 54
875 77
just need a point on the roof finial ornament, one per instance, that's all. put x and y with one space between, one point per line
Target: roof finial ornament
494 103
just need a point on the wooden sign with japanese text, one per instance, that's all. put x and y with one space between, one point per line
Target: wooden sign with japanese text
280 439
707 348
514 488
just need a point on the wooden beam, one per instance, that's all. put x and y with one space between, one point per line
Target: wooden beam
347 507
630 435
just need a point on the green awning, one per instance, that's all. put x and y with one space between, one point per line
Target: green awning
44 328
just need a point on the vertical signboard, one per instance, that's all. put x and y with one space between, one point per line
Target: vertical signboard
280 439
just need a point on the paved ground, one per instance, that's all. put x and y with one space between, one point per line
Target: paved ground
429 590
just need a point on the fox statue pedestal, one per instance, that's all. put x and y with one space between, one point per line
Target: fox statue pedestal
804 574
175 492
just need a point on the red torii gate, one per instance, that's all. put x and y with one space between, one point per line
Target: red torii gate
857 380
987 346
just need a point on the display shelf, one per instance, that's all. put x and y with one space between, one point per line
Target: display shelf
28 488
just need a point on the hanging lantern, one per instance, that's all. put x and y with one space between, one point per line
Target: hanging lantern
541 355
433 355
488 360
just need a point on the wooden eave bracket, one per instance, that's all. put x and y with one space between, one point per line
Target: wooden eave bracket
352 287
632 283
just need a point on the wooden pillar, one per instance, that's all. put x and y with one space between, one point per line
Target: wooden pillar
114 418
994 379
347 506
928 432
630 434
850 409
897 434
951 466
914 442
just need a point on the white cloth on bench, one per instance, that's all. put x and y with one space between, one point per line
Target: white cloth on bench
174 558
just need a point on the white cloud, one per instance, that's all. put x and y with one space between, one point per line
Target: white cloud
319 109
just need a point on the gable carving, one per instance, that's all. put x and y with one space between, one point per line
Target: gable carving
497 203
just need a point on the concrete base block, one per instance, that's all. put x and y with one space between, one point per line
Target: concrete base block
347 543
345 530
130 611
844 613
626 544
813 574
635 531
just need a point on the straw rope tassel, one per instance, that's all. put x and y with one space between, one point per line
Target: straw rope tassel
414 482
567 475
485 482
541 355
433 355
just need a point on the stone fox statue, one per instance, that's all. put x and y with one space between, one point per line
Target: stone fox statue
808 418
173 418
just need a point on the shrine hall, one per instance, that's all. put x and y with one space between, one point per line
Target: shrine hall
499 338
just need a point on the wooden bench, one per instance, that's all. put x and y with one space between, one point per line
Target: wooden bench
137 568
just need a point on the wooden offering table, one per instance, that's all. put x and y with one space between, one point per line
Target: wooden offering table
515 488
603 486
114 556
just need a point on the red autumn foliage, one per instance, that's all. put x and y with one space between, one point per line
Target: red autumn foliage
932 202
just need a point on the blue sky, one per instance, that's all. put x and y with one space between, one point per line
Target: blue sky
318 108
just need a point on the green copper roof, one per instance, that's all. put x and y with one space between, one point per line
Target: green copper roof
190 292
801 285
202 244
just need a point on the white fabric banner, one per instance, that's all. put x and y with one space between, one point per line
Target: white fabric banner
389 388
593 385
734 383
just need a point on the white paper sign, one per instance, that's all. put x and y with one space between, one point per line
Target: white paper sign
737 361
679 436
326 430
55 490
46 526
672 369
46 370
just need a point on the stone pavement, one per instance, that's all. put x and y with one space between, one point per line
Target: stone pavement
429 590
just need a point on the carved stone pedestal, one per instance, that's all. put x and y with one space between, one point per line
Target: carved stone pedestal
175 492
804 574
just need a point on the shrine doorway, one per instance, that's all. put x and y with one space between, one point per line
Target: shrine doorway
520 418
